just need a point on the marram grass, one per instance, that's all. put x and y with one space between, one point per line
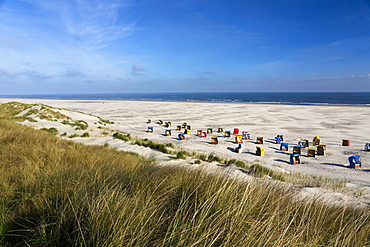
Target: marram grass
59 193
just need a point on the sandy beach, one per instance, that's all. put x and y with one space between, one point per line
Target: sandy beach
331 123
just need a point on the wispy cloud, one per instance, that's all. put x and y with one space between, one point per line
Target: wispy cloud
8 73
137 70
96 24
72 73
58 39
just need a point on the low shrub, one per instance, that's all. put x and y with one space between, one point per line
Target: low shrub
181 155
170 145
86 134
52 130
203 157
212 158
261 171
122 137
81 125
162 148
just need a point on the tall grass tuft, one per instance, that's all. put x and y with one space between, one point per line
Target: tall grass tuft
122 137
58 193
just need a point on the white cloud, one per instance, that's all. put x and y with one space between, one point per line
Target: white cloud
8 73
44 40
72 73
137 69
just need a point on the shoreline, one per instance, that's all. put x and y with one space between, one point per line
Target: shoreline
199 101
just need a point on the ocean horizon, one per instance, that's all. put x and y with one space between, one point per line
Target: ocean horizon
292 98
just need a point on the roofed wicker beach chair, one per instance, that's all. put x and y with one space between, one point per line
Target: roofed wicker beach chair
260 151
354 161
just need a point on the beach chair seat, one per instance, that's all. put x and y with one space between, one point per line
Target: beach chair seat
167 132
355 161
316 141
260 151
199 132
296 150
346 142
306 143
321 150
148 121
367 146
259 140
181 136
311 152
227 133
294 159
238 139
246 135
284 146
188 127
209 130
214 140
160 122
187 132
236 131
150 129
203 134
184 125
220 130
178 127
277 140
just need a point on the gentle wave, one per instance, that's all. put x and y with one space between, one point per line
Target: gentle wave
342 99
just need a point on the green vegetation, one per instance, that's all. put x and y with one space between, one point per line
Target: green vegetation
86 134
209 158
212 158
81 125
181 155
170 145
103 121
20 112
73 136
236 162
153 145
52 130
122 137
203 157
260 171
58 193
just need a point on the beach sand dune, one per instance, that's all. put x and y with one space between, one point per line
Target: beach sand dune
294 122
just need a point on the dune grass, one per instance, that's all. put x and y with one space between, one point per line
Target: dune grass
20 112
58 193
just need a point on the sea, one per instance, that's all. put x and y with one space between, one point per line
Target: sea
291 98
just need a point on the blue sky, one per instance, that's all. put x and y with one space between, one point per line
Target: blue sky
111 46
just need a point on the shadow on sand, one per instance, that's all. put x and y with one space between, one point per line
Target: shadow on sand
283 161
335 164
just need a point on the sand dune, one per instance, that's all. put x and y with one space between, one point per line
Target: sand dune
331 123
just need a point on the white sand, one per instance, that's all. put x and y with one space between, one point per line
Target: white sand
331 123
